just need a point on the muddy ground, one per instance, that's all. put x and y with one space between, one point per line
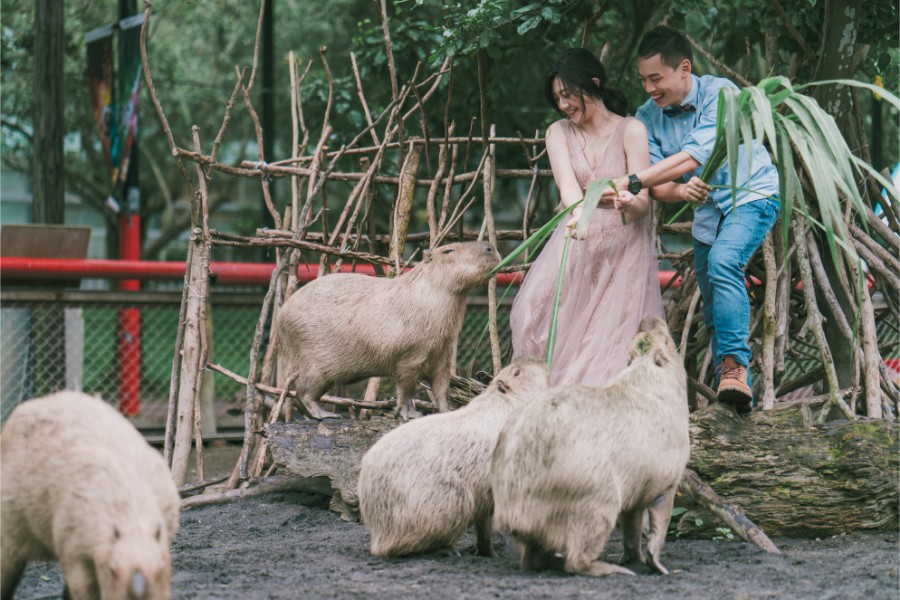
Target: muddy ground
284 546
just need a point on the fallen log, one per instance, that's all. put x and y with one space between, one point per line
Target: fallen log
794 477
330 449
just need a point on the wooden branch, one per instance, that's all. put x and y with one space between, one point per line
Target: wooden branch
258 487
362 98
688 321
875 248
792 31
154 98
769 324
815 317
251 409
719 64
259 26
229 106
869 337
187 489
261 165
175 378
326 398
695 488
389 50
835 310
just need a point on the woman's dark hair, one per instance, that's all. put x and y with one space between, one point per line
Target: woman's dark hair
576 69
671 46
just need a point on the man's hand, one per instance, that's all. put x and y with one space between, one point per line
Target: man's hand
694 191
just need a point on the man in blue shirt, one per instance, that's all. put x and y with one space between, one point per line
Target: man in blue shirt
680 117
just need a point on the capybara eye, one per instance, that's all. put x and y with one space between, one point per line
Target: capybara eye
516 373
158 532
115 532
447 251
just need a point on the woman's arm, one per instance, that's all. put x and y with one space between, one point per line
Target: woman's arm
561 165
637 158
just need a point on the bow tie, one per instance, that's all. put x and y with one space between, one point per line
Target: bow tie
677 110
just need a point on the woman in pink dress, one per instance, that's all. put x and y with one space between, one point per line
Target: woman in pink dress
611 276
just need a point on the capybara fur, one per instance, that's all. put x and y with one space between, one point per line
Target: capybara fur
345 327
423 484
81 486
577 459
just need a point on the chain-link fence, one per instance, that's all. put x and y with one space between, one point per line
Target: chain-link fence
120 346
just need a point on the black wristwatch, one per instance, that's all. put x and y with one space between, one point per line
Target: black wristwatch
634 184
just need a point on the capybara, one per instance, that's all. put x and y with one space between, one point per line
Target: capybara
578 458
80 485
424 483
345 327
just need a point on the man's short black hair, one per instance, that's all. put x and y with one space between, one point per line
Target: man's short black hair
671 46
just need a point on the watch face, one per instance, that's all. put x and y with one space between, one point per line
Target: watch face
634 185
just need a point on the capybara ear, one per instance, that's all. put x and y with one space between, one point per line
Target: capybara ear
502 387
660 358
426 256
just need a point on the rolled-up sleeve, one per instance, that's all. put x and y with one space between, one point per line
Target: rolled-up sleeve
700 141
656 154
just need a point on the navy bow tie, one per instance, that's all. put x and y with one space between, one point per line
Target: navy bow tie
677 110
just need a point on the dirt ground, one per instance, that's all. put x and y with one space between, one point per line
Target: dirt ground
285 546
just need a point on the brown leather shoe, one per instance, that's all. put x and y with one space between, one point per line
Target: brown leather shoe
733 388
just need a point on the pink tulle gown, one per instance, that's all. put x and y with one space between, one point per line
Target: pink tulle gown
610 285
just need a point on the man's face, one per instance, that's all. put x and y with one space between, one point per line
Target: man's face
667 86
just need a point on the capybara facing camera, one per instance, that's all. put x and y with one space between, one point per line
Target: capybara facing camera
346 327
423 484
80 485
576 460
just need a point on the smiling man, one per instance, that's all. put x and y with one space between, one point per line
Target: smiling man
680 117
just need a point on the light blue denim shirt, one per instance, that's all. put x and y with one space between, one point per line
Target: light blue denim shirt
695 133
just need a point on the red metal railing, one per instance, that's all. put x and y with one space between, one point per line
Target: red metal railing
130 272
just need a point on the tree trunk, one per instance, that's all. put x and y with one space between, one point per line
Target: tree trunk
790 476
48 169
795 478
330 449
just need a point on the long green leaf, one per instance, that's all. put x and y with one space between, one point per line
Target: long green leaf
557 296
884 93
536 239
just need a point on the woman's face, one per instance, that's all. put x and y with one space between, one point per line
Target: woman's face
571 104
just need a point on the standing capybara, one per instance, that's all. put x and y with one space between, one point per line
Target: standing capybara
424 483
577 459
80 485
344 327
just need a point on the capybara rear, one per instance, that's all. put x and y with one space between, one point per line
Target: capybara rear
80 485
424 483
345 327
577 459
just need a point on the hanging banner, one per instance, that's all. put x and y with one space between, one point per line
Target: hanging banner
130 76
100 80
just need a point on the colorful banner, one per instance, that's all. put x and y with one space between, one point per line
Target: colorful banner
114 96
130 75
100 79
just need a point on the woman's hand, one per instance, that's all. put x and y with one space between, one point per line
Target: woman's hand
572 224
694 191
624 201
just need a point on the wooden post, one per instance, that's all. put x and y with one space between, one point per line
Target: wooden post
190 379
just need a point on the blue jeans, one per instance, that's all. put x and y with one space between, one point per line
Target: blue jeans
720 275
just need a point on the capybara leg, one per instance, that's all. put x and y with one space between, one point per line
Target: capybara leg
534 557
81 582
587 538
632 524
11 567
483 532
440 384
660 514
406 408
313 408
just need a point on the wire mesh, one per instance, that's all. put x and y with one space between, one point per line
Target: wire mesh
87 342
